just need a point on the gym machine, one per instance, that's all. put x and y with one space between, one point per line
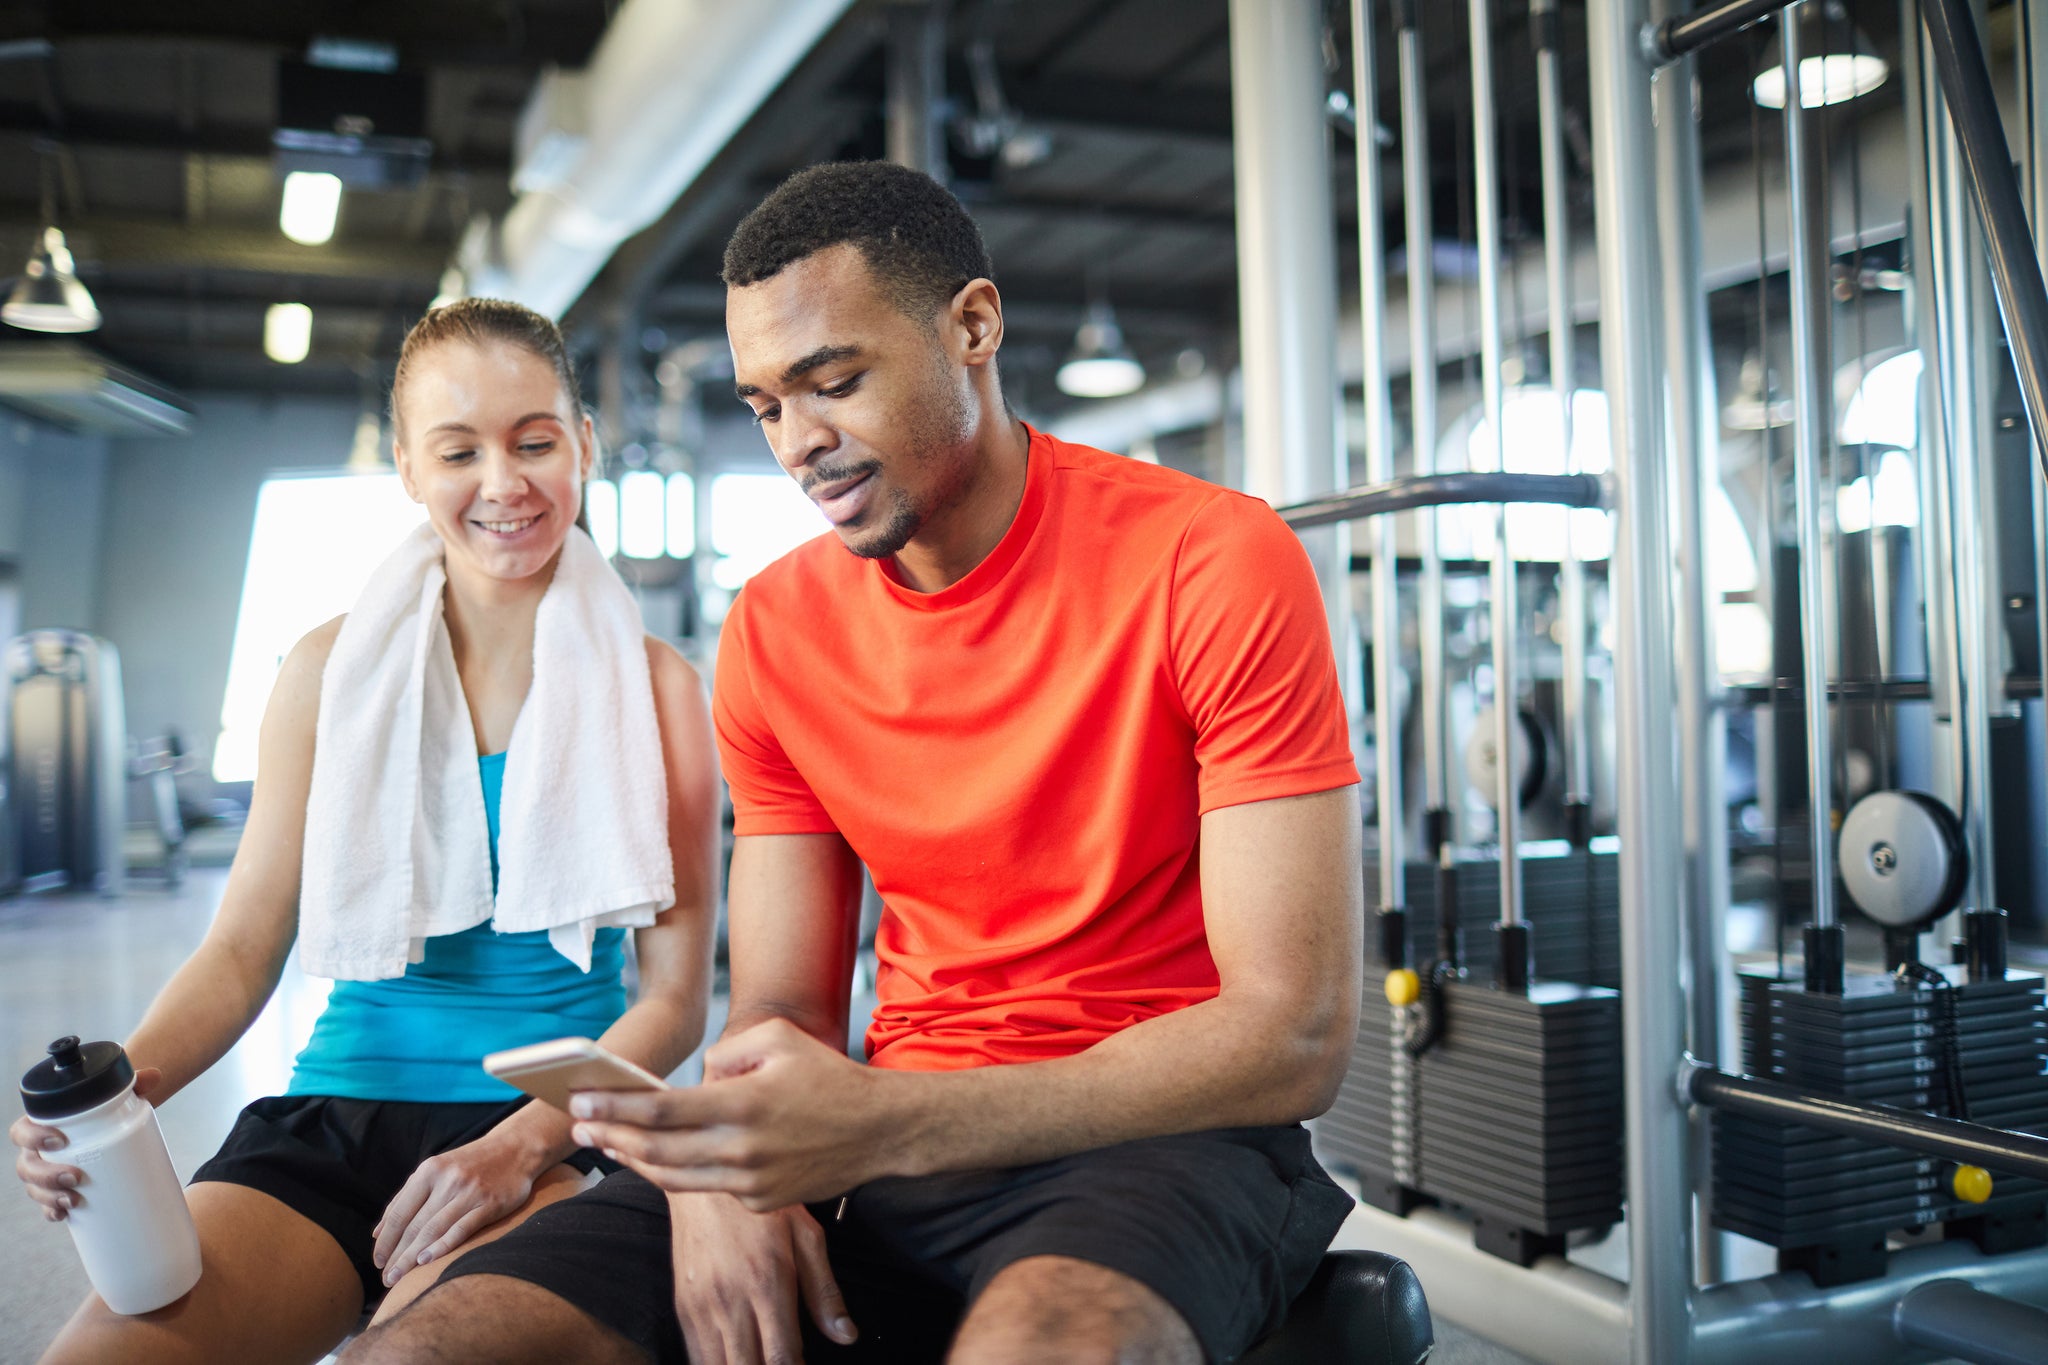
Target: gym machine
1880 1102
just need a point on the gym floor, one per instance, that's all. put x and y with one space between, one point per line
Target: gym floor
80 964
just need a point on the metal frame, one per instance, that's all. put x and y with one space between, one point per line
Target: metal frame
1446 490
1379 463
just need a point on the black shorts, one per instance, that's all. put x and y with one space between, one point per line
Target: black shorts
341 1162
1226 1226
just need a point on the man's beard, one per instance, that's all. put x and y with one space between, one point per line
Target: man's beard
938 434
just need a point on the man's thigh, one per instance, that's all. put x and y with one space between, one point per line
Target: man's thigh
1223 1227
593 1274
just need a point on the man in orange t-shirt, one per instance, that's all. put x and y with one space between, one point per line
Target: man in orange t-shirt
1079 718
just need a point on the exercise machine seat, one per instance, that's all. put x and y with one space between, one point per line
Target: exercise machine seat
1360 1308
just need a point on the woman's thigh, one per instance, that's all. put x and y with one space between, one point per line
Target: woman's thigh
558 1183
274 1287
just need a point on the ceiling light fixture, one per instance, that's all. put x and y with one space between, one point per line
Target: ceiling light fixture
288 332
312 200
1100 365
48 297
1826 76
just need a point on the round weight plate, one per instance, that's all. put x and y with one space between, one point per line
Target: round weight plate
1898 860
1532 754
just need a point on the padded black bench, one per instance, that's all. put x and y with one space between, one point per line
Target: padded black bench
1362 1308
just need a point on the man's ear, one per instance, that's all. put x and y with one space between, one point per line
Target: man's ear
977 313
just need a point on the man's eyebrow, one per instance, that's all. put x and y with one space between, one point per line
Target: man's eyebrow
803 365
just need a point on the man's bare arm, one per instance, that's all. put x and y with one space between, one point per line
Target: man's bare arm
793 917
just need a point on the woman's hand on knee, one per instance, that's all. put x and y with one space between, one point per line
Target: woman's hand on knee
51 1185
448 1200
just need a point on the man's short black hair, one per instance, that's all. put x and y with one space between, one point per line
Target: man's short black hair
918 241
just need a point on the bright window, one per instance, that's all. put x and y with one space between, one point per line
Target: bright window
315 543
601 506
642 503
755 520
682 516
1532 419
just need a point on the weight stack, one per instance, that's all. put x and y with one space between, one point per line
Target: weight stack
1370 1129
1514 1116
1571 896
1828 1203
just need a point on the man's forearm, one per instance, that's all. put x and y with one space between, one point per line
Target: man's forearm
1220 1064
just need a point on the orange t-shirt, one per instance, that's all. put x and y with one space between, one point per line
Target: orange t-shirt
1022 759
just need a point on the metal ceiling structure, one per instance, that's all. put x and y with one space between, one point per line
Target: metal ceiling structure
151 126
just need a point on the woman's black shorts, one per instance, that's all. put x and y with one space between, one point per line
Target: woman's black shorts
1226 1226
340 1162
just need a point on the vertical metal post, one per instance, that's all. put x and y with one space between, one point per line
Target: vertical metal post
1814 435
1379 436
1287 279
1571 585
915 76
1703 734
1652 1000
2033 72
1957 356
1506 710
1421 235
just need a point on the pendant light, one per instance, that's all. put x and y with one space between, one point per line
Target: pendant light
49 297
1831 72
1100 365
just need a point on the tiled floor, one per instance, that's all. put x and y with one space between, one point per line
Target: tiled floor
89 966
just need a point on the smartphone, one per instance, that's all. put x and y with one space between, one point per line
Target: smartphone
556 1069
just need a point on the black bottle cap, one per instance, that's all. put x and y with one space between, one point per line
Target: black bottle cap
74 1078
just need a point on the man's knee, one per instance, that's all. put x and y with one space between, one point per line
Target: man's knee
490 1317
1058 1308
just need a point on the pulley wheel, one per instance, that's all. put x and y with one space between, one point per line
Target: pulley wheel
1903 858
1532 757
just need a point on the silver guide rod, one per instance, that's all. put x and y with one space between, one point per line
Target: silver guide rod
2033 71
1421 234
1379 458
1445 490
1986 162
1958 366
1506 713
1813 432
1645 686
1557 229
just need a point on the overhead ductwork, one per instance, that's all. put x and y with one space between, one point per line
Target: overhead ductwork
75 388
606 150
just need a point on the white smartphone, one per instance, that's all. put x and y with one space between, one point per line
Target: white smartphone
556 1069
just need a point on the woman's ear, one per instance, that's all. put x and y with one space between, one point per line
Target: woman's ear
589 461
402 462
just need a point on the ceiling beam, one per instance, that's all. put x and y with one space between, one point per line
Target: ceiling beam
119 133
107 246
441 32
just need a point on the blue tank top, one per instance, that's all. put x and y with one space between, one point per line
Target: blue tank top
422 1036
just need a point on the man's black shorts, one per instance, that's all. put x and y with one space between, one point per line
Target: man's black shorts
1226 1226
340 1162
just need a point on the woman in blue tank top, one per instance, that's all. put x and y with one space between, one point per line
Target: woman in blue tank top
391 1150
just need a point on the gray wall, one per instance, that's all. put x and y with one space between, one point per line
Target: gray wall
174 547
53 493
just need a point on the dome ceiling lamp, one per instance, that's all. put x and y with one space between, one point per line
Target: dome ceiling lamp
1841 65
49 297
1100 365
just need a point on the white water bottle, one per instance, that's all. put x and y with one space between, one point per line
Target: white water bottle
129 1222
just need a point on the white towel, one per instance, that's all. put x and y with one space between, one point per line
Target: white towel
397 850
